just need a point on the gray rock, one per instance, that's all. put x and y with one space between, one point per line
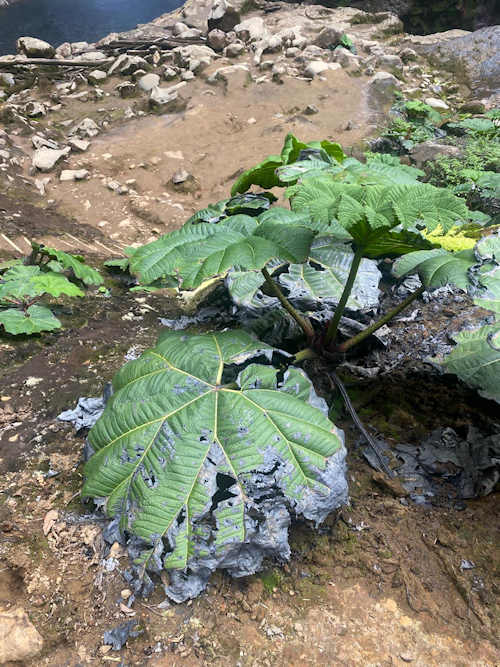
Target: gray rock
64 51
328 38
7 79
251 30
35 109
436 103
126 65
223 16
234 50
126 89
216 40
184 55
381 90
148 82
78 145
316 67
79 47
408 55
431 150
187 75
390 63
32 47
19 639
45 159
167 100
96 76
86 128
311 109
74 175
179 28
169 73
473 58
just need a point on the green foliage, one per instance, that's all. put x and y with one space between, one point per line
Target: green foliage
265 174
23 285
200 251
64 261
172 422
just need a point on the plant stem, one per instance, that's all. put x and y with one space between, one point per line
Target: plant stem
331 334
306 354
303 322
346 345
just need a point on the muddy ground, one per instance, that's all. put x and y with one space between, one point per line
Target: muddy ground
381 584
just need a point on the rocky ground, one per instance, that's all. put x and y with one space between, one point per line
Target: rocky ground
122 146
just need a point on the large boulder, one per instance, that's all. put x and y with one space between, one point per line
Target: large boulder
32 47
472 57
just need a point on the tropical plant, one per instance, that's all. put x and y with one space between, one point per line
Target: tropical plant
45 273
203 429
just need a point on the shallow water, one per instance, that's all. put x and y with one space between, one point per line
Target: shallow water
58 21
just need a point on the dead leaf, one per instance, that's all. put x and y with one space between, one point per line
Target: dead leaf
126 610
50 520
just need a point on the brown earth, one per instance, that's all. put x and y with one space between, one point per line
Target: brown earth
380 585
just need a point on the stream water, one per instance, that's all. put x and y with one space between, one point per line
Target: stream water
58 21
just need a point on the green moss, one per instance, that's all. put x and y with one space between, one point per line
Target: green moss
271 579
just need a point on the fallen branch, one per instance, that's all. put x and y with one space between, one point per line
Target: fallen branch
55 63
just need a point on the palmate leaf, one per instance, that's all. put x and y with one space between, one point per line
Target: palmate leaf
82 271
171 427
323 277
198 252
34 320
476 360
22 283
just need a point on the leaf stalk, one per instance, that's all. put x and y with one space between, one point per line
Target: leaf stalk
303 322
331 333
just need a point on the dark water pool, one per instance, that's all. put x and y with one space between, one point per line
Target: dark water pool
59 21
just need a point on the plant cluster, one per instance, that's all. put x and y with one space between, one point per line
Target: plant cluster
203 429
26 287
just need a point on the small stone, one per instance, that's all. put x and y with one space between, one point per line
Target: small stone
74 175
311 109
216 40
114 186
167 100
78 145
314 68
35 109
7 79
148 82
187 75
126 89
406 657
86 128
436 103
473 106
126 593
328 38
234 50
105 648
96 76
169 73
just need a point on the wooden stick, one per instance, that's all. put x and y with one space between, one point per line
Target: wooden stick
56 63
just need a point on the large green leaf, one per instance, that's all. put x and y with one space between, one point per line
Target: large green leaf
476 360
172 426
437 267
24 282
82 271
323 277
197 252
31 321
263 174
